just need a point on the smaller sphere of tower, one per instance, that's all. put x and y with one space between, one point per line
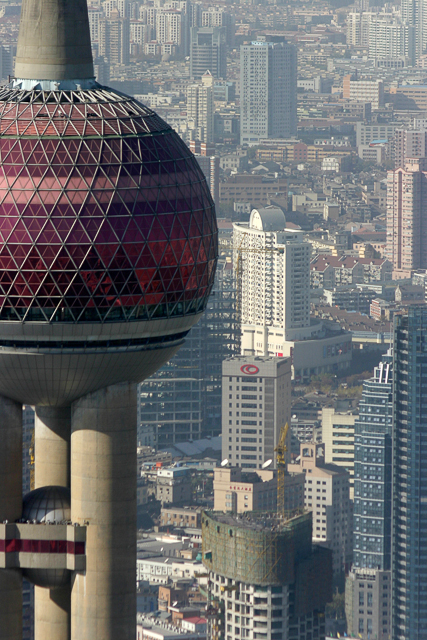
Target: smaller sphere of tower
47 505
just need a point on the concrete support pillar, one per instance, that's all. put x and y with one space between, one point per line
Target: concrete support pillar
52 446
103 494
10 509
52 613
52 467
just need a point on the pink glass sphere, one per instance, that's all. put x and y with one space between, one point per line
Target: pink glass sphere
105 215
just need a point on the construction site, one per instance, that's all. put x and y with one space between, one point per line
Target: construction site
264 567
257 549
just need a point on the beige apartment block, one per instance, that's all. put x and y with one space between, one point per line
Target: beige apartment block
239 491
327 495
338 439
180 517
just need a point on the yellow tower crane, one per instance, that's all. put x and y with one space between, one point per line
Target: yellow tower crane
32 461
281 450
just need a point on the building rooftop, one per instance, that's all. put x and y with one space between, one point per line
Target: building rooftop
163 629
256 521
196 620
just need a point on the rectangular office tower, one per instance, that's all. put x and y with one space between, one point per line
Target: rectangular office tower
256 403
268 89
208 52
409 524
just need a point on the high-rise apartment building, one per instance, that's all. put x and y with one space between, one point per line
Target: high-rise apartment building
273 286
410 142
209 164
389 37
256 403
140 33
358 28
200 108
114 38
414 14
407 217
268 88
275 274
171 28
368 587
327 496
409 521
95 16
210 167
208 52
383 33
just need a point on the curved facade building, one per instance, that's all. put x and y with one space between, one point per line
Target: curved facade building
108 247
266 569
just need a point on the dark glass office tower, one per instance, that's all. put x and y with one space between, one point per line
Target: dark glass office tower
409 527
368 585
372 471
183 399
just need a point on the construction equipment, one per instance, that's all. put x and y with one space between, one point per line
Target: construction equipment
32 460
281 450
234 587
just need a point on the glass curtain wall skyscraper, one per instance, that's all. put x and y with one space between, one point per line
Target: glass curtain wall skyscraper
372 470
409 532
368 591
183 400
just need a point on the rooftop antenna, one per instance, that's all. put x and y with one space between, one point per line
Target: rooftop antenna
224 463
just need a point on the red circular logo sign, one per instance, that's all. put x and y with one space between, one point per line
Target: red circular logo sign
249 369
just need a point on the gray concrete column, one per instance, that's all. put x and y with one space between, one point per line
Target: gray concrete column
52 446
103 494
52 467
10 509
52 613
54 41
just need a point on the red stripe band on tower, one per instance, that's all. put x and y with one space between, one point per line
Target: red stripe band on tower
17 545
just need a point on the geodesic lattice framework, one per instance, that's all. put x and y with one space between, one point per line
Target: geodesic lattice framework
104 212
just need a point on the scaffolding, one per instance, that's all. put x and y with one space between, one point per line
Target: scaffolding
264 551
256 549
281 465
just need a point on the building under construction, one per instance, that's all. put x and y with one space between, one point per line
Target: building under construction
266 579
